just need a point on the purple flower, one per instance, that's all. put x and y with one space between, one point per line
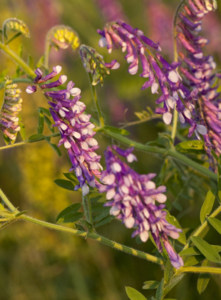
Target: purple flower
77 134
162 76
137 202
9 114
197 70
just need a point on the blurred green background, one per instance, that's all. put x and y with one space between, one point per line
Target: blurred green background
36 263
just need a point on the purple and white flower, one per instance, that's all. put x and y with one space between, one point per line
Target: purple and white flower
137 202
77 132
162 76
197 70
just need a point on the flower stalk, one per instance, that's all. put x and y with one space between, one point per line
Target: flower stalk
18 60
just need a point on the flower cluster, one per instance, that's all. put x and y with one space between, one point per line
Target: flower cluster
74 125
133 199
95 65
197 69
161 74
62 37
9 119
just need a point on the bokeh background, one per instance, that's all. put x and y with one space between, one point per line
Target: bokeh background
36 263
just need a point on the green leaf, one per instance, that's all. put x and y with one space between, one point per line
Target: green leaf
49 124
215 223
150 285
22 130
159 291
45 111
116 130
189 146
40 62
193 260
134 294
207 206
70 214
172 220
72 177
168 271
40 123
189 252
203 280
36 137
206 249
65 184
103 213
104 221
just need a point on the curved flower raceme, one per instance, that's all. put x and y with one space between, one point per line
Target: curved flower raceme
141 50
197 69
74 125
95 65
9 114
137 202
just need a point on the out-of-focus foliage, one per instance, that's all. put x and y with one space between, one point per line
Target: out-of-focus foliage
39 264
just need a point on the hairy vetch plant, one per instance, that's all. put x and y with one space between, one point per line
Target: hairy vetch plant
161 212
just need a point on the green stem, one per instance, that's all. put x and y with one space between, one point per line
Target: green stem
210 270
165 152
138 122
13 145
7 202
96 237
29 141
202 227
175 121
13 37
96 102
87 209
17 59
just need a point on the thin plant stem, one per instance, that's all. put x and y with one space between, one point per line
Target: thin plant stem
87 209
138 122
95 236
165 152
210 270
29 141
13 145
13 37
17 59
7 202
96 102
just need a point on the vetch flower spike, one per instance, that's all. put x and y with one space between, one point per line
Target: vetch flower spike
77 134
137 202
9 114
162 76
95 65
204 103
